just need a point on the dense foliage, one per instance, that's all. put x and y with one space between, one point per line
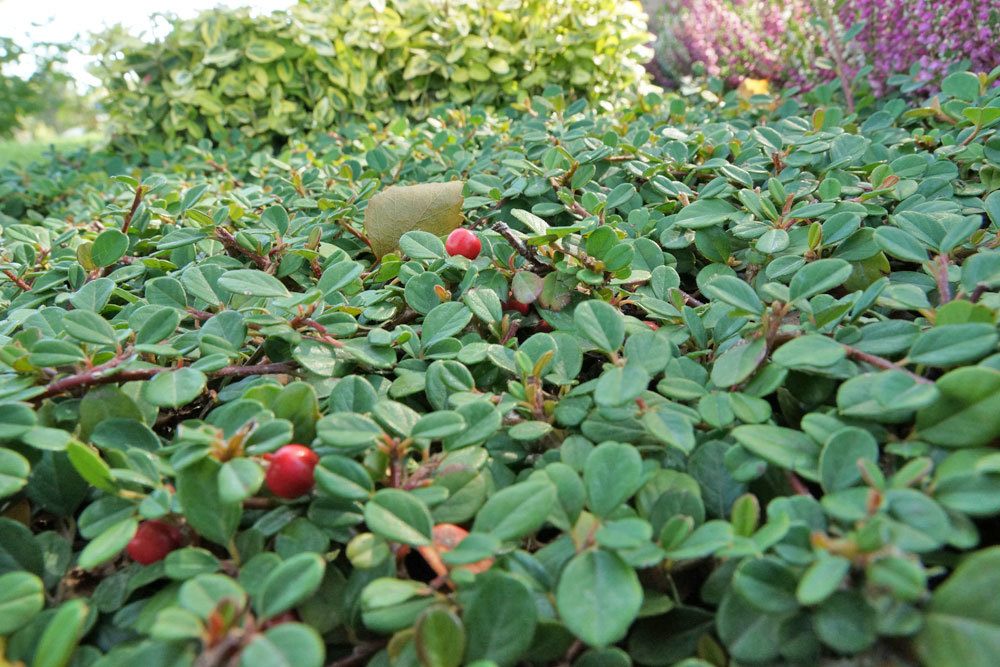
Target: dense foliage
906 43
228 72
721 384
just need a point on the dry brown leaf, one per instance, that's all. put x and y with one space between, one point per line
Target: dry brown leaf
430 207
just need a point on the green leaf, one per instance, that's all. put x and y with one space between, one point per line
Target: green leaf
962 622
183 564
108 544
342 477
963 85
62 635
22 597
14 470
440 638
598 597
399 516
767 584
16 419
289 584
612 475
738 363
601 323
954 344
846 622
735 292
838 462
500 621
822 578
818 277
621 384
705 213
89 327
109 247
239 479
204 509
421 245
172 389
784 447
285 645
251 282
89 464
444 321
264 51
967 410
809 351
670 428
516 511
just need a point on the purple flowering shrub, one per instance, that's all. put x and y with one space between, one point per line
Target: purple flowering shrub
789 42
932 35
737 39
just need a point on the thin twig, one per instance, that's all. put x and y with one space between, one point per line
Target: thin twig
359 655
139 192
106 374
17 280
689 299
234 248
519 246
941 274
346 226
882 362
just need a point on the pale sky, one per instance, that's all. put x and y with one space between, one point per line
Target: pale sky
31 21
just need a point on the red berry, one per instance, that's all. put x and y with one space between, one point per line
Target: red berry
290 473
463 242
153 541
514 304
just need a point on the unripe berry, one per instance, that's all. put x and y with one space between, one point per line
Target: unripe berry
290 473
463 242
153 541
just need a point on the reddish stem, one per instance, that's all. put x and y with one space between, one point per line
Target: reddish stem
882 362
17 280
139 192
99 375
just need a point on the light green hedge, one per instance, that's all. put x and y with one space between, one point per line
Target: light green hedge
303 68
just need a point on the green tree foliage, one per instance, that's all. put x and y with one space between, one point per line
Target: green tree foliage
229 74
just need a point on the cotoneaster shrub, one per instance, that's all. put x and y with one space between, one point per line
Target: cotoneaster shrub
748 415
227 74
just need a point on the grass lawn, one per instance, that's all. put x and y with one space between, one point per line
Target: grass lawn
15 152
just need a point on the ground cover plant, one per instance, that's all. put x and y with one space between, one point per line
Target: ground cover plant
710 381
